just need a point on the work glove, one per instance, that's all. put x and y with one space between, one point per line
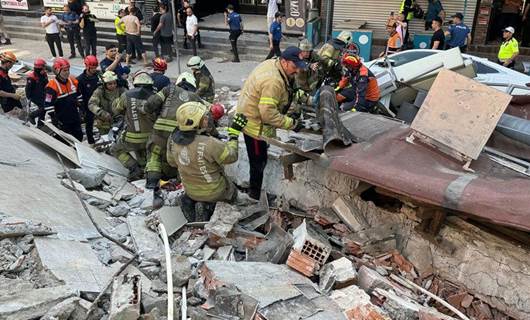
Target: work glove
238 123
105 116
298 125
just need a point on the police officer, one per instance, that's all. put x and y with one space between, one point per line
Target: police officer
165 104
35 90
358 89
9 99
63 95
200 159
159 78
203 78
235 24
87 84
101 101
330 54
138 124
265 99
509 49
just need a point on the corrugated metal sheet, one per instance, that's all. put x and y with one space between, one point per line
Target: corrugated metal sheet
376 13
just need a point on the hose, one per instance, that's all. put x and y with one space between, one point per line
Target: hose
169 273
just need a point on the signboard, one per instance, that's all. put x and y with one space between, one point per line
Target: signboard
296 15
54 3
14 4
106 10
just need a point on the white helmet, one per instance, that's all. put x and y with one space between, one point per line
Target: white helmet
195 62
109 76
188 77
345 36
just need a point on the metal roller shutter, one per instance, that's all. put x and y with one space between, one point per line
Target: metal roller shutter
376 13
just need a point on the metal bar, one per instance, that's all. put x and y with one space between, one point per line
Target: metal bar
507 157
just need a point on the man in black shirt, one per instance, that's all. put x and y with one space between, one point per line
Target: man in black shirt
35 89
9 99
438 37
155 21
138 13
87 83
88 23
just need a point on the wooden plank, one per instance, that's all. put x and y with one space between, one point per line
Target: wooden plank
71 140
460 113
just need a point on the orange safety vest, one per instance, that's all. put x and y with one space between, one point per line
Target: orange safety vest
394 43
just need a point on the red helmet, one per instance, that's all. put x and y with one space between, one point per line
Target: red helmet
351 61
91 61
159 64
60 64
39 63
8 56
217 110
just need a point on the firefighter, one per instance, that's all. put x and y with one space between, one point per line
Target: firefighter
35 90
63 95
265 99
138 124
165 104
358 89
101 101
203 78
9 99
200 159
87 83
330 54
307 79
160 80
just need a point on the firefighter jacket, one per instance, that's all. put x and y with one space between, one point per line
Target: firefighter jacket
164 104
139 124
205 84
265 98
101 103
200 164
359 87
307 79
36 88
63 97
329 55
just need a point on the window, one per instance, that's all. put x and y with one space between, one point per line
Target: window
409 56
484 69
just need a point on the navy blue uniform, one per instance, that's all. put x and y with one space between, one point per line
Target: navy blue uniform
160 81
86 86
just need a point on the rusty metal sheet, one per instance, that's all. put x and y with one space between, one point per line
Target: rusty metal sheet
388 161
460 113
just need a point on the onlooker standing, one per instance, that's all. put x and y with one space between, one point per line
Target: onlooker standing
133 33
438 37
181 19
88 24
112 62
75 6
87 83
192 29
272 9
120 31
235 23
73 32
3 31
434 10
49 21
509 49
393 44
139 14
459 32
165 28
275 36
402 29
155 21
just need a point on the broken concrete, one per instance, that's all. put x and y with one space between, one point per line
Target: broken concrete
356 305
12 227
369 280
172 218
30 304
88 177
63 310
125 297
223 219
274 249
347 213
337 274
181 268
147 243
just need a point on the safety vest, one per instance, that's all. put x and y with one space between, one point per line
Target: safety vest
120 26
508 49
410 14
393 43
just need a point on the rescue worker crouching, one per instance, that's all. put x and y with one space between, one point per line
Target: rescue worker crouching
200 159
9 99
330 54
358 89
63 96
36 90
102 100
203 78
307 79
165 104
265 99
138 125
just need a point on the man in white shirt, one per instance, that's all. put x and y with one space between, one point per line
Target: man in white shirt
272 8
192 28
49 22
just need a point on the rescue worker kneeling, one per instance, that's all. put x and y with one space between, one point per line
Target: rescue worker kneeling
138 125
358 89
101 101
200 159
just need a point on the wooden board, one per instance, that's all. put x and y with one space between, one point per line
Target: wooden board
460 113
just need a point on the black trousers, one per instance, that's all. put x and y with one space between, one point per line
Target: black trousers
156 43
196 211
234 35
53 40
122 42
73 128
91 41
257 158
89 125
74 38
166 45
511 65
275 51
193 42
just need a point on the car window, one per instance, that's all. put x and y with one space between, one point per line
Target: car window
409 56
484 69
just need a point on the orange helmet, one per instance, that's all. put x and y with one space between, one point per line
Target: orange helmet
159 64
39 63
91 61
8 56
60 64
351 61
217 110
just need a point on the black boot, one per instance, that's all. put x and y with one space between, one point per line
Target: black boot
135 172
8 41
234 50
152 180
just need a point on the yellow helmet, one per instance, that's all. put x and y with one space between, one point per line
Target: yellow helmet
345 36
190 114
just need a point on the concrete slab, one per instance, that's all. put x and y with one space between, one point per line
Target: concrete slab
73 262
147 243
173 219
90 158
